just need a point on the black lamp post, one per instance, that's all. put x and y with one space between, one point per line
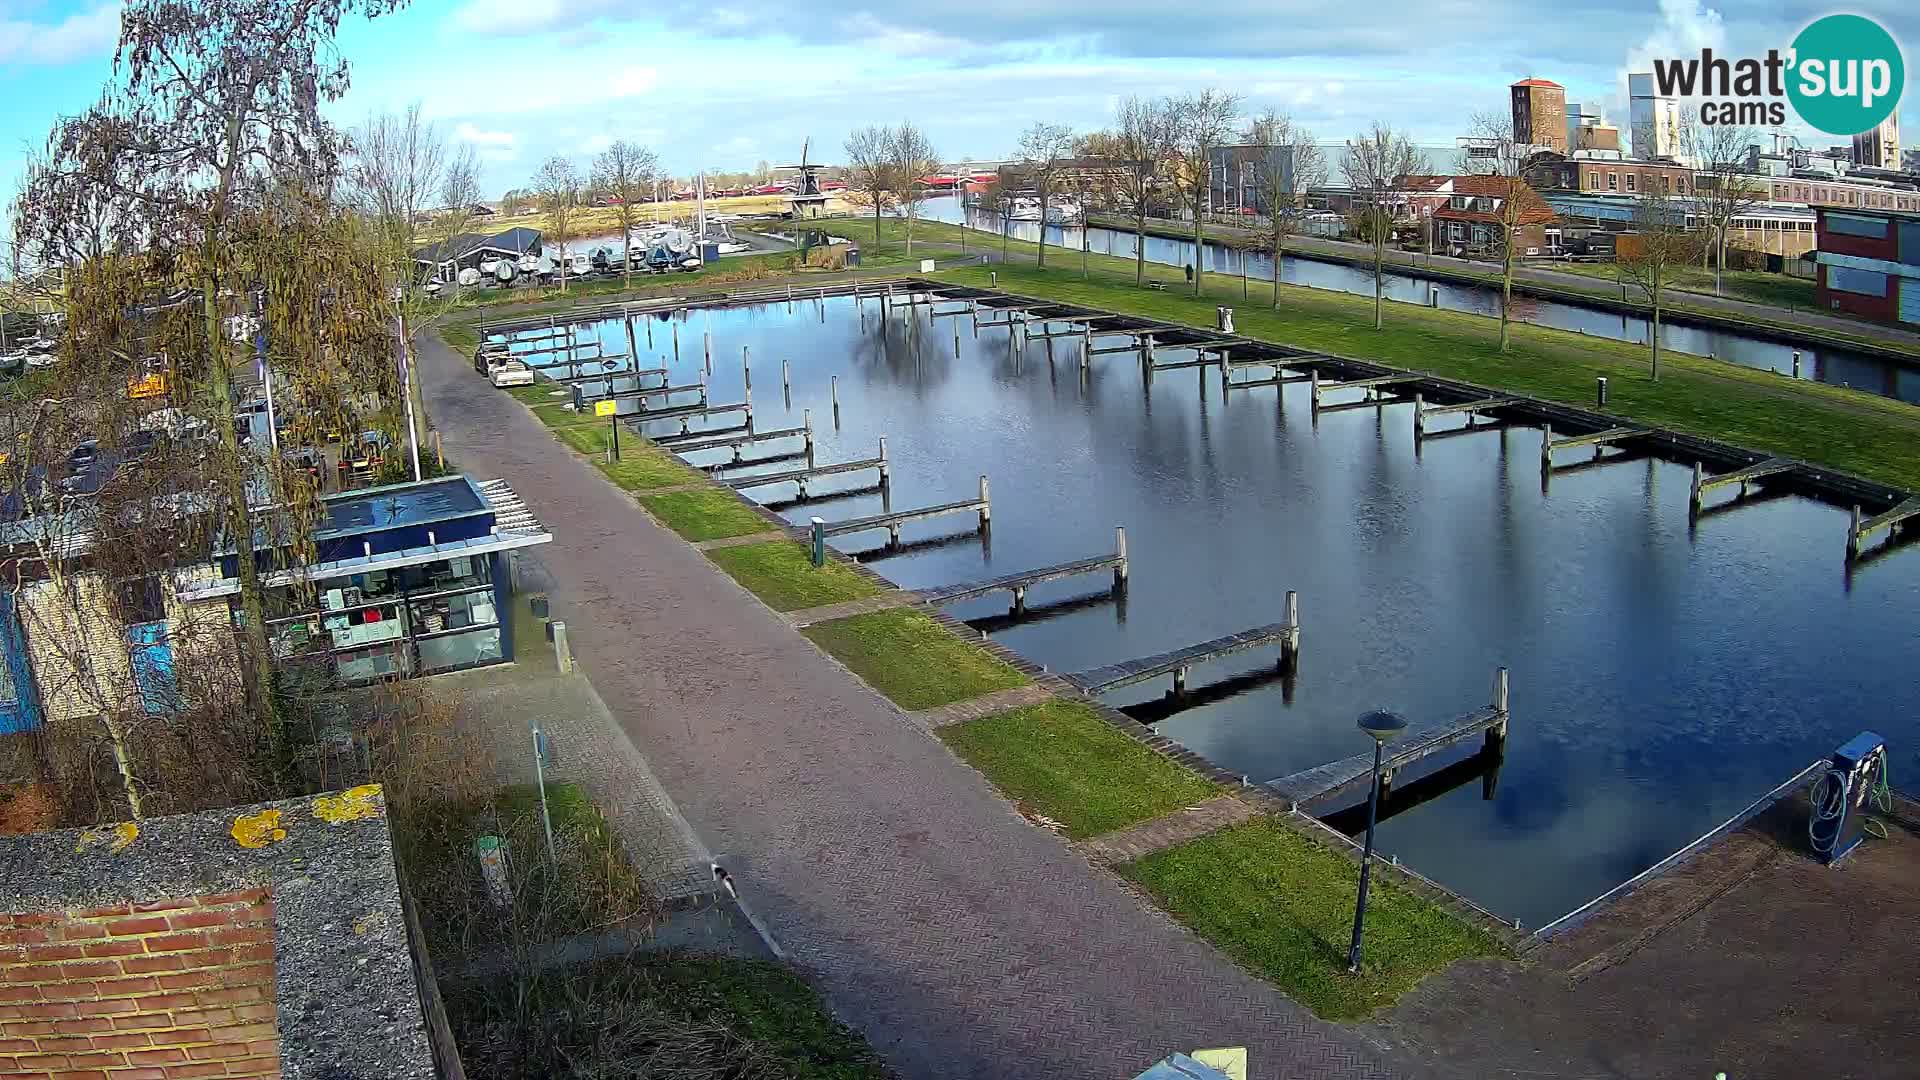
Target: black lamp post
1381 726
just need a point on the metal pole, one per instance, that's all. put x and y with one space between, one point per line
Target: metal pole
540 781
406 387
1366 863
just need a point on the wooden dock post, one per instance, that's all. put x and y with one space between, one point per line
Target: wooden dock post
1546 449
1313 389
1696 495
633 350
986 503
746 368
706 349
1497 733
1120 549
806 421
676 342
1853 535
833 390
786 374
1019 599
1420 418
886 472
1146 350
1180 680
1290 645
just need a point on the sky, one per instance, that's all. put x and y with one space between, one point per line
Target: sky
727 84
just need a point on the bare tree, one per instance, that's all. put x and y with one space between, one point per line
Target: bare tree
1499 166
1044 149
1201 122
1374 166
1722 188
626 172
1658 245
870 169
559 188
912 158
1139 150
1290 162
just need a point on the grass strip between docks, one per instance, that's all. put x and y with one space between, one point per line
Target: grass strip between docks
781 573
912 659
1060 759
1282 905
710 514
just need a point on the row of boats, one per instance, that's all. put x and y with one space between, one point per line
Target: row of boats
1060 210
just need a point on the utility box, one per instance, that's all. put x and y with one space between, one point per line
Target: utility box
1838 817
1223 319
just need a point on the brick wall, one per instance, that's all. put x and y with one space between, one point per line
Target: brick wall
165 990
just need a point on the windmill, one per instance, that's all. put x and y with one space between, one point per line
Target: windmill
809 173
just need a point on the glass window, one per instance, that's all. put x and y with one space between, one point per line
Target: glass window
380 661
452 651
1850 225
1863 282
365 626
1630 180
456 612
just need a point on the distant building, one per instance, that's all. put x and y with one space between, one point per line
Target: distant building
1472 217
1607 176
1540 114
1879 148
1579 116
1240 173
1653 122
1869 265
461 251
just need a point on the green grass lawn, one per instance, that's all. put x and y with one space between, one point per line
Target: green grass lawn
912 659
1282 906
1060 759
1755 285
705 515
781 573
1842 429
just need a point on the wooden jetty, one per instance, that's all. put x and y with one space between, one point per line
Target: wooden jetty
738 442
640 394
1180 661
1019 582
685 413
1891 519
1311 785
892 520
1702 483
619 373
1604 437
1422 410
1372 384
801 477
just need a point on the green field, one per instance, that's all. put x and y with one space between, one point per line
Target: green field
781 573
912 659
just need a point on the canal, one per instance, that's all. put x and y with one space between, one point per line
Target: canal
1837 366
1662 678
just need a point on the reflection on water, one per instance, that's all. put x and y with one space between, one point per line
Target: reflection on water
1662 678
1835 366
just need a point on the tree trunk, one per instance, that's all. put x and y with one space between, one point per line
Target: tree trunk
256 666
1379 256
909 230
876 219
1199 238
1140 245
1085 242
1279 253
1506 293
1653 337
1042 261
123 761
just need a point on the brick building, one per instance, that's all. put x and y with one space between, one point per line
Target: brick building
1869 265
1607 176
1540 114
1474 217
253 942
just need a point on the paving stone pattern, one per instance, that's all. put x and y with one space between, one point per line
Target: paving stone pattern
961 941
960 712
1167 830
863 606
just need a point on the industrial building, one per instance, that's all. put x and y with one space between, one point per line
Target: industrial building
1540 114
1869 265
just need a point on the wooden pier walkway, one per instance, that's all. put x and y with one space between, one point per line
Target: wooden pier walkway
736 442
801 477
606 376
1311 785
1020 581
1702 483
1606 437
640 394
684 413
892 520
1422 411
1179 661
1372 384
1890 519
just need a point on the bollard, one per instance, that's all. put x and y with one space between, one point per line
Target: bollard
993 278
786 374
746 369
1420 418
986 503
1120 549
1796 363
833 391
561 652
1600 391
819 542
1694 496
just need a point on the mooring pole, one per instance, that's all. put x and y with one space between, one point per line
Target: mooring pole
886 475
986 503
1290 650
1694 497
746 369
1120 550
1420 418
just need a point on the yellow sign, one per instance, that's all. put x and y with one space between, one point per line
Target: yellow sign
1231 1060
605 408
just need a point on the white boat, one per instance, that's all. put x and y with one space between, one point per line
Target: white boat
530 264
579 265
511 373
1024 209
1063 210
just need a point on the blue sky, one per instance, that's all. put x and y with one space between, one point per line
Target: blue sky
727 84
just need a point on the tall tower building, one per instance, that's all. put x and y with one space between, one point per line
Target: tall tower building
1879 148
1540 114
1653 122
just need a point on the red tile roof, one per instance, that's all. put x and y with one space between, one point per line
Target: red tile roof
1540 82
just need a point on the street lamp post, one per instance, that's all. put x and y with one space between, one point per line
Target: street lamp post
1381 726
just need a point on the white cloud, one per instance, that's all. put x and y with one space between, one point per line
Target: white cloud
83 33
596 144
469 133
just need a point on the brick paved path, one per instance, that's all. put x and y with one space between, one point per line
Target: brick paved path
961 941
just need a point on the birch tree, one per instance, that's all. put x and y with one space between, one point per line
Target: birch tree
1290 163
1044 149
1141 145
1201 122
870 169
559 189
626 172
912 157
1374 166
